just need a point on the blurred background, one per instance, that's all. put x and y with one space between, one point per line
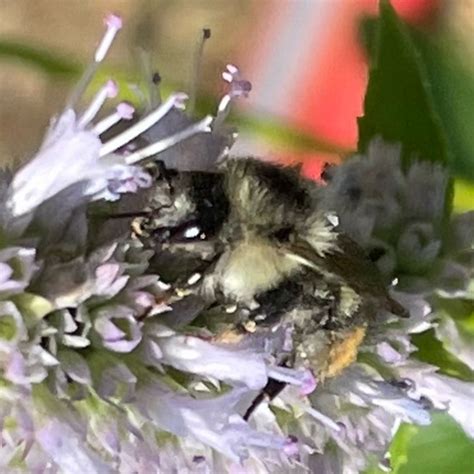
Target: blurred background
307 61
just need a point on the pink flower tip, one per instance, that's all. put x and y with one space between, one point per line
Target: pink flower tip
125 110
290 448
113 21
309 383
112 88
180 99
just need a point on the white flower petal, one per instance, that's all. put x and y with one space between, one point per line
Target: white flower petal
68 450
453 395
197 356
455 341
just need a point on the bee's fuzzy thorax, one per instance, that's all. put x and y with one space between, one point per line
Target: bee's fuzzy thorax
264 194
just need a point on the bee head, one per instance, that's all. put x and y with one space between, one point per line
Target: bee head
187 212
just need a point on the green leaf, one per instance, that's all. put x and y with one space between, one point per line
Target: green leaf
463 195
452 86
440 448
33 307
7 327
48 62
400 445
398 104
432 351
285 136
461 310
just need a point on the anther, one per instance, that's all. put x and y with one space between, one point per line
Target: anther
124 111
114 24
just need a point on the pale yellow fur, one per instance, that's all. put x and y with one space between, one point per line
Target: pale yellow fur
254 266
321 236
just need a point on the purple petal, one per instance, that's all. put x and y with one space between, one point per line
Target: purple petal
68 449
194 355
212 421
108 330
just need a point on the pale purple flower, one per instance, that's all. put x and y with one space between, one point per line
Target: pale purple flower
67 448
117 327
446 393
17 266
73 154
399 218
212 421
192 354
102 368
201 152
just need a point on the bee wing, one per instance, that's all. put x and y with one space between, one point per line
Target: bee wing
347 263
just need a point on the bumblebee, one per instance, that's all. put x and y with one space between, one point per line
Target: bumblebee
253 244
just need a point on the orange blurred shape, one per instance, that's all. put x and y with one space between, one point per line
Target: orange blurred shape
331 88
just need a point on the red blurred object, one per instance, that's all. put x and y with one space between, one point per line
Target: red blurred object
327 95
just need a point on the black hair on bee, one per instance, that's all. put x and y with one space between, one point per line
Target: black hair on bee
258 238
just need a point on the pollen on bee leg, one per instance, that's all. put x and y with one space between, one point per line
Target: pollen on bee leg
114 24
176 100
124 111
343 351
229 336
203 126
108 90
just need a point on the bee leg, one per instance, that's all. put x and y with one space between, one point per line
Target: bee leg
269 392
128 215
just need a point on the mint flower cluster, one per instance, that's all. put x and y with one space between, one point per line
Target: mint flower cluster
93 376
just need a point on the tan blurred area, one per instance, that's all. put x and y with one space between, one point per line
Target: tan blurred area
169 29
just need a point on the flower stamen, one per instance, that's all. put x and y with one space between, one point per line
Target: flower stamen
124 111
203 126
174 101
238 88
108 90
114 24
196 72
325 420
